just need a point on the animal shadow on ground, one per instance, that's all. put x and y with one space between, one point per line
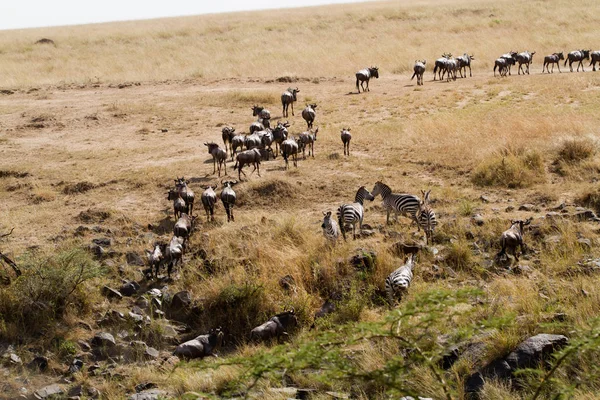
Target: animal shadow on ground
163 226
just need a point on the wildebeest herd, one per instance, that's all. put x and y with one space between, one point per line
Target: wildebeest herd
257 146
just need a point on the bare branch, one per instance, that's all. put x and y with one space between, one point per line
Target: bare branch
7 234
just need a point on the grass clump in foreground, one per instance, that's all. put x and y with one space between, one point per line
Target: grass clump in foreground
511 168
576 150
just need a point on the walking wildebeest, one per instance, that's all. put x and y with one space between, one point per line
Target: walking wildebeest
288 97
419 69
595 58
577 56
526 58
553 58
464 61
364 75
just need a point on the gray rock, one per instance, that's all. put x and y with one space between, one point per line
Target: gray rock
111 293
528 207
39 363
402 248
522 270
364 259
367 232
140 387
181 301
582 214
76 390
152 394
484 199
103 339
76 366
98 251
554 215
478 220
135 317
48 391
129 288
586 244
14 359
134 259
105 242
509 209
537 348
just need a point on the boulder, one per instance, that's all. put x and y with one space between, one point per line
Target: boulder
105 242
134 259
48 391
129 288
181 301
190 349
103 339
528 207
534 350
111 293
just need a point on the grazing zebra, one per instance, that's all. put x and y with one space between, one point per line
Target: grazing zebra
288 97
419 69
513 238
464 61
228 198
331 230
354 212
364 75
426 217
346 137
440 65
405 204
209 199
511 57
577 56
553 58
503 65
309 115
219 157
398 282
524 58
595 58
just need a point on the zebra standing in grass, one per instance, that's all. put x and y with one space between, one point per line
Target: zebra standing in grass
331 230
398 282
364 75
426 218
353 213
553 58
405 204
288 98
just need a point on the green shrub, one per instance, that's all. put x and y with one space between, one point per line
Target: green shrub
511 170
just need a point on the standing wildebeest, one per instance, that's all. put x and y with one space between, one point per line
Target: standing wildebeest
186 193
524 58
346 137
228 198
464 61
174 253
553 58
256 126
275 327
156 257
595 58
309 115
184 226
513 238
209 199
440 65
364 75
451 68
247 157
419 69
228 134
353 213
261 113
219 156
288 97
503 65
280 134
511 57
238 141
289 147
308 139
577 56
179 205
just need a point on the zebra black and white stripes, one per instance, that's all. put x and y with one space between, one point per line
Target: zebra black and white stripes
405 204
426 218
331 230
353 213
398 282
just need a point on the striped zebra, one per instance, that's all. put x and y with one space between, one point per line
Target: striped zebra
354 212
331 230
426 217
400 203
398 282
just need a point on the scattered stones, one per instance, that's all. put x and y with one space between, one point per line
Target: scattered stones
583 214
478 220
134 259
152 394
48 391
129 288
528 207
111 293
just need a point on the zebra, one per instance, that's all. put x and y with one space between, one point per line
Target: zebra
331 230
398 282
595 58
288 97
228 198
346 137
426 218
419 69
511 57
309 115
209 199
577 55
364 75
464 61
553 58
354 212
513 238
440 65
524 58
405 204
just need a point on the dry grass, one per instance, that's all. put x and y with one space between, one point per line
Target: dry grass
502 138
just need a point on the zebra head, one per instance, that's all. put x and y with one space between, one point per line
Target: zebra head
363 194
380 188
326 219
425 201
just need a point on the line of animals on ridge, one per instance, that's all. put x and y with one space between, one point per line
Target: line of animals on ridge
451 66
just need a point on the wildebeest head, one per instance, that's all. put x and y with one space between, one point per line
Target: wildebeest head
216 337
256 110
293 92
519 224
374 72
211 146
287 319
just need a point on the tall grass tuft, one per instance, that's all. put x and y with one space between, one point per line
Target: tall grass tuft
511 169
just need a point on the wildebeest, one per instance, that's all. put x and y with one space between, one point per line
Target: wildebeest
228 133
280 134
184 226
309 115
237 142
577 56
228 198
275 327
439 66
179 205
503 65
513 238
247 157
464 61
526 58
261 113
174 253
155 257
511 57
364 75
346 137
181 185
288 98
219 157
256 126
595 58
201 346
289 147
451 68
253 140
308 139
209 199
419 70
553 58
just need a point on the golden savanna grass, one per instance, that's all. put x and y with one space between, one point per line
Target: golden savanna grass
78 150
